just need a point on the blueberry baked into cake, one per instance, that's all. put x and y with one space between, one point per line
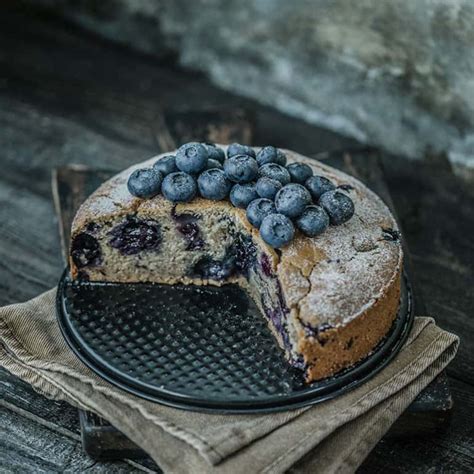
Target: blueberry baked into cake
318 252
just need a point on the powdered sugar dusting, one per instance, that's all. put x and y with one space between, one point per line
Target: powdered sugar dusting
331 278
360 263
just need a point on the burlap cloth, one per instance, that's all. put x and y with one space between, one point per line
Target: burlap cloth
334 436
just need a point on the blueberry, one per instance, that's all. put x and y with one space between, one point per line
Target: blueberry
93 227
238 149
318 185
187 225
166 165
313 221
212 163
258 209
339 206
238 259
268 187
145 182
179 187
299 172
213 184
292 199
245 253
192 158
209 269
215 152
241 168
134 235
85 250
241 195
270 154
274 171
277 230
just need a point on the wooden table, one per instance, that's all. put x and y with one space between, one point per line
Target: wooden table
68 97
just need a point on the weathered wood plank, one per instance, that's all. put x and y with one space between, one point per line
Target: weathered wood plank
208 124
19 397
59 418
450 450
119 93
437 214
32 448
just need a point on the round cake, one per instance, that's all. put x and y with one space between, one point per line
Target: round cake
329 299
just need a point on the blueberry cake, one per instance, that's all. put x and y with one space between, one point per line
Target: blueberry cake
318 252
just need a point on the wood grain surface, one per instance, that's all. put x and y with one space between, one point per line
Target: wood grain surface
67 97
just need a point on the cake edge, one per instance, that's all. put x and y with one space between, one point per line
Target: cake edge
333 349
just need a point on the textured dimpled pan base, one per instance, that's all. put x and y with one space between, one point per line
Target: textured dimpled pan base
199 348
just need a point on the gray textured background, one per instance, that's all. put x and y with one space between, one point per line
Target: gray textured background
396 74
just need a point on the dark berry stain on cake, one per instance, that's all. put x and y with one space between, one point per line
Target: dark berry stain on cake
298 362
239 257
187 226
191 233
274 315
266 265
245 254
277 314
208 268
390 234
316 332
281 298
93 227
135 235
85 251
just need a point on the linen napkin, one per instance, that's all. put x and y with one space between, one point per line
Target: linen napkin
334 436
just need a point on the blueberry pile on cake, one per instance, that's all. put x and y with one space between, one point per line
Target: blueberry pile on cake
318 252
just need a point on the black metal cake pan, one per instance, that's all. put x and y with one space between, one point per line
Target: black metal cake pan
200 348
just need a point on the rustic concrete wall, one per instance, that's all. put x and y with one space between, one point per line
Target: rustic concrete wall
398 74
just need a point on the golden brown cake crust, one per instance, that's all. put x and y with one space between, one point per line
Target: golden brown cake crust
337 348
346 282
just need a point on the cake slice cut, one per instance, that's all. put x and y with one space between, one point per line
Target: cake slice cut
329 300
